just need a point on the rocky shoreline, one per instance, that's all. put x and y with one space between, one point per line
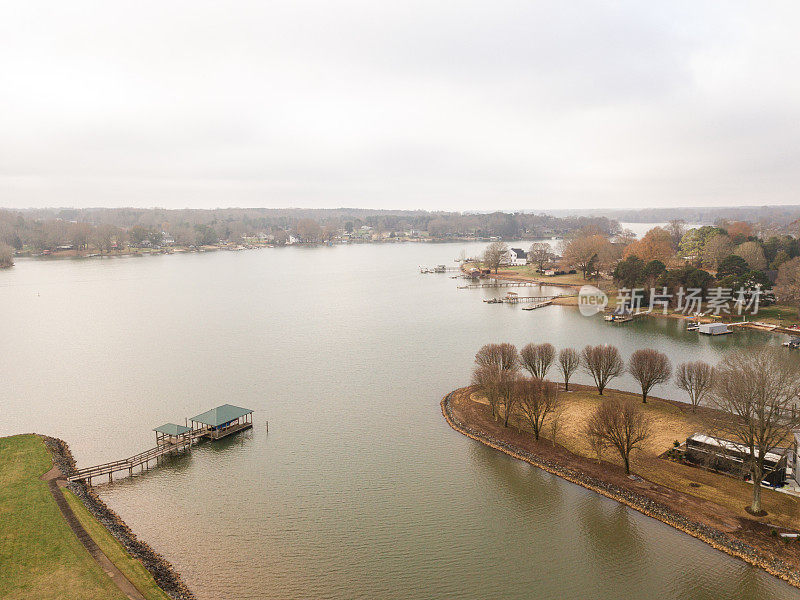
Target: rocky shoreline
164 574
715 538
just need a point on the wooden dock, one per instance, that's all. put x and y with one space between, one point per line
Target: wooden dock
521 299
141 460
215 424
539 305
624 318
499 284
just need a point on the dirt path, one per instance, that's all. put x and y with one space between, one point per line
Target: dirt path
55 480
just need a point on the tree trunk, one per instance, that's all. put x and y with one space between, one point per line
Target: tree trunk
627 464
644 396
755 508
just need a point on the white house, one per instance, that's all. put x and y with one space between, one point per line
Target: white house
517 257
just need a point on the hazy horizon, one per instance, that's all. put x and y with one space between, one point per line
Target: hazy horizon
468 107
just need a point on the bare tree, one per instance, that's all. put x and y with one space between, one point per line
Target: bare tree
495 372
507 381
494 254
537 400
756 394
618 424
585 250
309 230
676 229
649 367
539 253
715 249
537 359
6 256
103 237
787 286
753 254
696 379
568 361
487 380
603 363
500 356
556 421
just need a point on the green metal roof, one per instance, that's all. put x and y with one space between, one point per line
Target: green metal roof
221 415
172 429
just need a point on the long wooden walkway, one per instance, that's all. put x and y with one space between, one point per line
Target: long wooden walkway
143 459
519 299
538 305
498 284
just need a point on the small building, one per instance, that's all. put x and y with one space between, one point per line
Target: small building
222 420
713 328
171 434
730 457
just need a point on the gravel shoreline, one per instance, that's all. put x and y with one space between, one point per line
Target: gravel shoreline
715 538
164 574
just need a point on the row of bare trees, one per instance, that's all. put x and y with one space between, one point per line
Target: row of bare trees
753 393
616 424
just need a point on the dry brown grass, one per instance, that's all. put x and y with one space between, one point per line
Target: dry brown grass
670 421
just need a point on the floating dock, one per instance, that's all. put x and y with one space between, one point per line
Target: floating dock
171 438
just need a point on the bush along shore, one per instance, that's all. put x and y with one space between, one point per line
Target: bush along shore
164 574
712 536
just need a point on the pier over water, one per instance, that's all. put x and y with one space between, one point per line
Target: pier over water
171 438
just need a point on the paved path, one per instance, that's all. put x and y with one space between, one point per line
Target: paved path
55 479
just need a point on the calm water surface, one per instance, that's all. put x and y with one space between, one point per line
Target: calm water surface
359 489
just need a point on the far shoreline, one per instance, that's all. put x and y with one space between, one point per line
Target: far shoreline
777 560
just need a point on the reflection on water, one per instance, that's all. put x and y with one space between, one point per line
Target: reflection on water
359 489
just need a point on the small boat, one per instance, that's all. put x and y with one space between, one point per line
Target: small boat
494 301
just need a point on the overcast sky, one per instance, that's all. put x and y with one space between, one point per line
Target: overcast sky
438 105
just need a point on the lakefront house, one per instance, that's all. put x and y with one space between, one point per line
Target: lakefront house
517 257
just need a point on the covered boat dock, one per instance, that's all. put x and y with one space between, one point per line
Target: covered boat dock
213 424
222 421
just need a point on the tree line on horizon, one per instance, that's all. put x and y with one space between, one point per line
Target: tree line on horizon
104 229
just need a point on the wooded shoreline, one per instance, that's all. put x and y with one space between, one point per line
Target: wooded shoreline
774 556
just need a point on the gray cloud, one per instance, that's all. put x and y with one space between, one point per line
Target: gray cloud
453 105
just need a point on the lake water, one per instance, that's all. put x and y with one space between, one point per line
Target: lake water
359 489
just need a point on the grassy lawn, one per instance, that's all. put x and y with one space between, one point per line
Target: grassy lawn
777 313
670 422
115 551
40 557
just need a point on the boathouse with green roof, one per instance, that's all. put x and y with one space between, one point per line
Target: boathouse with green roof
222 420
